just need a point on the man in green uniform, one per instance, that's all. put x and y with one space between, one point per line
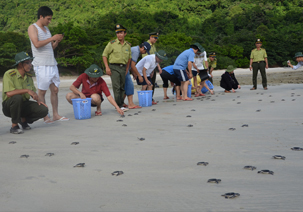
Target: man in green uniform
153 37
258 61
116 58
212 64
18 87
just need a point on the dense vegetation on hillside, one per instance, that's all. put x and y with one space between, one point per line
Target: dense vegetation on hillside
228 27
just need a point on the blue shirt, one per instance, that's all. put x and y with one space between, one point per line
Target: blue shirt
169 69
298 65
182 60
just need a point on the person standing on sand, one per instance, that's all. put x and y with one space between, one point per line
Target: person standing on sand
258 61
45 64
299 58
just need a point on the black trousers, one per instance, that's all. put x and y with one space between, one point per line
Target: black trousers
169 77
259 66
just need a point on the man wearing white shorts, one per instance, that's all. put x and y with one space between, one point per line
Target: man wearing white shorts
45 64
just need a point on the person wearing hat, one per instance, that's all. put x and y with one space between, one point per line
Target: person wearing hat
258 61
146 68
92 87
143 48
45 64
229 81
184 61
117 57
299 58
212 64
18 87
153 37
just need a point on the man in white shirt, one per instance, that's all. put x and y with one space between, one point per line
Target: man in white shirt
146 67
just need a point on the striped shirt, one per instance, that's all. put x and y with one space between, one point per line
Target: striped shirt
43 56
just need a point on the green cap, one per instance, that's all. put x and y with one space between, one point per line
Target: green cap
161 55
201 49
230 68
22 56
298 54
94 71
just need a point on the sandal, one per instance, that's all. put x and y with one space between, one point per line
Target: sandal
98 113
166 98
135 107
188 99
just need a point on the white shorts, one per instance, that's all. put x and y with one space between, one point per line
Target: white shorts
46 75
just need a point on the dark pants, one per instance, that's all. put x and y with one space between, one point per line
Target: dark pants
169 77
16 108
259 66
118 82
228 86
153 79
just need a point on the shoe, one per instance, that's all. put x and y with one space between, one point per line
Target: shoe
265 88
253 88
25 126
16 130
135 107
124 109
98 113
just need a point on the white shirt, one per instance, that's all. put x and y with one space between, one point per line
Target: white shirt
199 61
148 62
297 66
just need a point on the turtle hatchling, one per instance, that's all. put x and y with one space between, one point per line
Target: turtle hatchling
279 157
245 125
258 110
214 180
190 125
135 114
283 100
272 101
193 110
266 172
24 156
80 165
119 120
238 102
250 167
153 109
202 163
124 125
12 142
260 100
139 111
49 154
130 115
232 129
117 173
188 116
74 143
141 139
297 148
230 195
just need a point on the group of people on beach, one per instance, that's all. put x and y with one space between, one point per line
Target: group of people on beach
119 59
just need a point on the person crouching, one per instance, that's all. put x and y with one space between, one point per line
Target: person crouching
229 81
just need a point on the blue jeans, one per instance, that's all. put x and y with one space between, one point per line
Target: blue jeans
129 85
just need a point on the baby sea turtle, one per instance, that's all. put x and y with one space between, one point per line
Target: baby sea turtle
135 114
141 139
80 165
260 100
193 110
238 96
124 125
230 195
153 109
49 154
130 115
214 180
250 167
188 116
272 101
117 173
122 116
202 163
245 125
279 157
190 125
298 95
174 104
232 129
258 110
139 112
12 142
297 148
238 102
265 171
74 143
293 100
269 95
234 100
261 93
213 100
119 120
24 156
283 100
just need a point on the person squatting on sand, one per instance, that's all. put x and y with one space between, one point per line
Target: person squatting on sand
18 87
299 58
229 81
169 75
136 51
146 68
45 64
92 87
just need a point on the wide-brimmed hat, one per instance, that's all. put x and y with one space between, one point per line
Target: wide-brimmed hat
94 71
298 54
230 68
161 55
259 41
198 45
22 56
146 46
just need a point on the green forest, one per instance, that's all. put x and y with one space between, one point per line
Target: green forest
227 27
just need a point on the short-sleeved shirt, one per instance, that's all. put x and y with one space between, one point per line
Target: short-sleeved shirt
88 89
148 62
135 53
152 49
298 65
200 61
169 69
213 63
117 53
258 55
12 80
182 60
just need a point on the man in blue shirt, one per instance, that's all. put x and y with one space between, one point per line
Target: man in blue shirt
183 61
298 57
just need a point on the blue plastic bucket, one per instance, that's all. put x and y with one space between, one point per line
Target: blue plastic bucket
82 108
189 91
145 98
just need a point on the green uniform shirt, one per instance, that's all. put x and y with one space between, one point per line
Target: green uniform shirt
152 49
117 53
213 63
12 80
258 55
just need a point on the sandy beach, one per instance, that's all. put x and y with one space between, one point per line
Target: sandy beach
161 172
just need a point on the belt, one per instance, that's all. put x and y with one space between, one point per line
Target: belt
118 64
259 61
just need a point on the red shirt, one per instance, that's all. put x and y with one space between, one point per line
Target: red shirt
88 89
